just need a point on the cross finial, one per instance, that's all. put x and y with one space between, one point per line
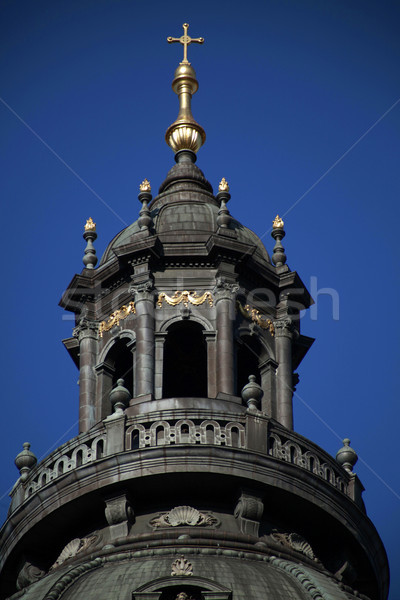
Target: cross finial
185 40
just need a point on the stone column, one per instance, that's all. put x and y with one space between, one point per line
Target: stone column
284 387
87 334
209 336
144 304
268 383
159 364
225 295
105 374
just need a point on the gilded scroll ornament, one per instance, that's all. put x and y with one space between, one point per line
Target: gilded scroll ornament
252 314
185 297
116 317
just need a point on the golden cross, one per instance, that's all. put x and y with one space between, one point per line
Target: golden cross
185 40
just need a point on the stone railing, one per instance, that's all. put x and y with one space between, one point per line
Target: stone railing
307 456
251 431
75 453
186 431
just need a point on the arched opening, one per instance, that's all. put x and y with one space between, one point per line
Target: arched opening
235 437
120 359
183 592
185 361
247 361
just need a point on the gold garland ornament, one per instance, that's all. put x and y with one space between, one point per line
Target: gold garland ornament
116 317
252 314
185 297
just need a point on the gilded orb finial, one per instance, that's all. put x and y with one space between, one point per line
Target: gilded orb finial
90 225
145 186
277 223
223 185
185 133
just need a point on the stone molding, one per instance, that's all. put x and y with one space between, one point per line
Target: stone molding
305 580
65 581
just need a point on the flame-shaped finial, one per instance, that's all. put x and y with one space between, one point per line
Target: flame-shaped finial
185 133
277 223
145 186
90 225
223 185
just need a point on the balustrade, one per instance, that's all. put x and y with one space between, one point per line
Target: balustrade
144 432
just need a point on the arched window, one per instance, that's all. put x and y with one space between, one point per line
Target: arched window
120 358
185 361
247 361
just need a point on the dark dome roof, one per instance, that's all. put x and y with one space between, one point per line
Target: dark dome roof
117 576
185 205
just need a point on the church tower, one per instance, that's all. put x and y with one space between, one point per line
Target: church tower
187 480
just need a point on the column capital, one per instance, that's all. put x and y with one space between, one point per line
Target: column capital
224 290
143 291
284 327
86 329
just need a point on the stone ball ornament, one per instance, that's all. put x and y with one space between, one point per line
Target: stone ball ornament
25 461
252 394
346 456
119 397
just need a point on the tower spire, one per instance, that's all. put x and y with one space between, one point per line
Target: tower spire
185 133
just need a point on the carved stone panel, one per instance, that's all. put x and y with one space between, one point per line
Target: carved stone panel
183 515
181 566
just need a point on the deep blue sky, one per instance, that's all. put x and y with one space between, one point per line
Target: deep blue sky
287 87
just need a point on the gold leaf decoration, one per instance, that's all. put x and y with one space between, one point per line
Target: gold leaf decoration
145 186
223 185
252 314
90 225
116 317
185 297
277 223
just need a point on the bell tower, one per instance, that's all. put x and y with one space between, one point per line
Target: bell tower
187 480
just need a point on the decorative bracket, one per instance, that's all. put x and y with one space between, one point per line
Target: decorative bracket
248 512
119 515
